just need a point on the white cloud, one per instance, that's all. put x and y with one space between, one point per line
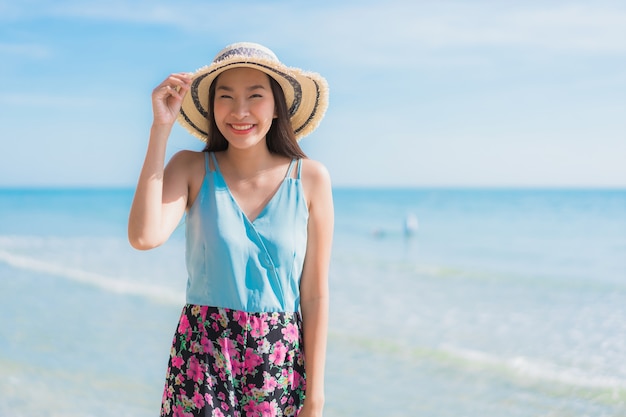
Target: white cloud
395 26
378 35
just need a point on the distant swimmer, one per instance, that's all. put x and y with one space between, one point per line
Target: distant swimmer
410 225
379 233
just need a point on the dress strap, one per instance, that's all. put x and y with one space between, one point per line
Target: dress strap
217 167
299 168
290 169
206 163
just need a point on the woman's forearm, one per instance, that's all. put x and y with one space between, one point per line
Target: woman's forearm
315 329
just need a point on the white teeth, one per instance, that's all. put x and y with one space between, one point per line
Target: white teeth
242 127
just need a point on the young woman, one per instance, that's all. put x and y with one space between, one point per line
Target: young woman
251 339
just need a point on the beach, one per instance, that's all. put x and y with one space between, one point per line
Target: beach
501 302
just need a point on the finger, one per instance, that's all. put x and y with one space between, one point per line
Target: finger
175 85
180 78
176 91
176 88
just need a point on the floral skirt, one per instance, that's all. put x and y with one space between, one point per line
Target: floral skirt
232 363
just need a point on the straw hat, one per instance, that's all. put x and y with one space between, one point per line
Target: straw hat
306 92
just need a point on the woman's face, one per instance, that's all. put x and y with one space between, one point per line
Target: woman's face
244 106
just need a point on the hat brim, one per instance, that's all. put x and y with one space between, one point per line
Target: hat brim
306 94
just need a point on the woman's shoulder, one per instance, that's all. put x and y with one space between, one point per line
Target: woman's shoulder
186 159
187 164
187 156
315 179
314 171
188 168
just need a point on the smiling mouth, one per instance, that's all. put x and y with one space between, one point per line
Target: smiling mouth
241 127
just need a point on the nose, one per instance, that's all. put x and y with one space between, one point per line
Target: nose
240 109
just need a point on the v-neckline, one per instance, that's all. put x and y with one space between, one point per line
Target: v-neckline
267 204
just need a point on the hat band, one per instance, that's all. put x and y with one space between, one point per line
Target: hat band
245 51
314 112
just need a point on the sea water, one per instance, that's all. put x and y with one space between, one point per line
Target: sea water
495 303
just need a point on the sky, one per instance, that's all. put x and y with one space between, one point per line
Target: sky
422 93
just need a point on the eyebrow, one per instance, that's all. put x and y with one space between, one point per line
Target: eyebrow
252 87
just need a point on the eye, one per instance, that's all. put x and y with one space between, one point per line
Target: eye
225 96
256 96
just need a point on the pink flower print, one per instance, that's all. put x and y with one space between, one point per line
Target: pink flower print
241 317
183 326
208 398
198 400
290 333
251 360
217 413
168 392
251 408
267 409
237 367
221 317
207 346
295 379
177 361
222 375
221 396
274 319
179 379
278 354
228 348
269 382
203 311
179 411
258 327
195 371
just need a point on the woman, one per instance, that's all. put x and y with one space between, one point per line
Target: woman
259 224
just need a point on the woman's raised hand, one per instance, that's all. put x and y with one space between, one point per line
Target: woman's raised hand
167 98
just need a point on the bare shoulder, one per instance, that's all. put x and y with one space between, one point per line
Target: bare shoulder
187 158
315 173
186 164
315 180
185 171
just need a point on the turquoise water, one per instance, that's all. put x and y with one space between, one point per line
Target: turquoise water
503 303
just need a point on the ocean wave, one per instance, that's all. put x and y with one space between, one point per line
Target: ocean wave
523 370
103 282
534 369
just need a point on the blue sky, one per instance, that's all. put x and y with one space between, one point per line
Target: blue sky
423 93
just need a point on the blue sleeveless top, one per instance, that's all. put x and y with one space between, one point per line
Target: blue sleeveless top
253 266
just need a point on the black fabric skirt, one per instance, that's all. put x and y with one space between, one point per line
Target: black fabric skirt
227 362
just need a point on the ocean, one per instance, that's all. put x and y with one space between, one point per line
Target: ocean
500 302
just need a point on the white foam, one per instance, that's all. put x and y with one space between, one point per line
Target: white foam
537 370
106 283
